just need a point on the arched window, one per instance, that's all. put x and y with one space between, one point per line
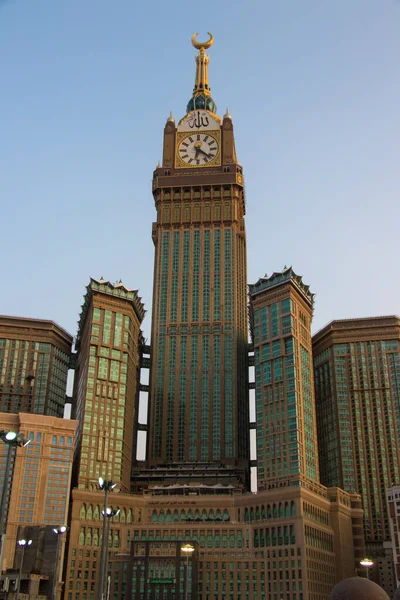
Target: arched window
89 536
262 538
273 536
154 518
95 537
285 535
129 516
96 512
256 539
292 535
280 536
292 509
82 513
82 536
89 514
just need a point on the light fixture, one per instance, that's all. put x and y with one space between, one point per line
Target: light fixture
107 485
23 543
58 531
187 549
61 529
110 512
13 441
367 563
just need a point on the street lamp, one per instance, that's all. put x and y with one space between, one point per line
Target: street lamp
23 543
107 486
58 531
13 441
367 563
187 549
110 513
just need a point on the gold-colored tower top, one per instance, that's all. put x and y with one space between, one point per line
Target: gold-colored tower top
202 45
201 92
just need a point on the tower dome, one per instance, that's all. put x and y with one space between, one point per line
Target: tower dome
358 588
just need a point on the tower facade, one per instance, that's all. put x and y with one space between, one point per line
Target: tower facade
198 406
293 541
34 361
281 309
106 386
357 384
39 488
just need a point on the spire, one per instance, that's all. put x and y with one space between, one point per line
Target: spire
201 98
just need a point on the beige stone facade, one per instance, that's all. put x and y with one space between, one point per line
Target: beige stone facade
106 385
40 478
292 543
34 362
357 383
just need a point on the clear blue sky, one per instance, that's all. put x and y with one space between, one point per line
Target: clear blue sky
314 91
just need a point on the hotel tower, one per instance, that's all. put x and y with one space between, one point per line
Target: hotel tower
188 525
199 386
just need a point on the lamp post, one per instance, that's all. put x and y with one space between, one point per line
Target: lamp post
23 543
107 486
110 513
367 563
187 549
58 531
13 440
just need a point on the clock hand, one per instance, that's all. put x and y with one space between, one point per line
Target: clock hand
203 152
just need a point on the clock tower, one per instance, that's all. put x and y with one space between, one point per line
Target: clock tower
198 402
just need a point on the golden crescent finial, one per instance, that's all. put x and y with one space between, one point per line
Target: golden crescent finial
200 45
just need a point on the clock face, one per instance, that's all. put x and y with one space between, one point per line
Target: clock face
198 150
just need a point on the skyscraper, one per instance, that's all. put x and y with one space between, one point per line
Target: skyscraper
295 538
39 488
106 386
281 309
198 406
34 361
357 383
